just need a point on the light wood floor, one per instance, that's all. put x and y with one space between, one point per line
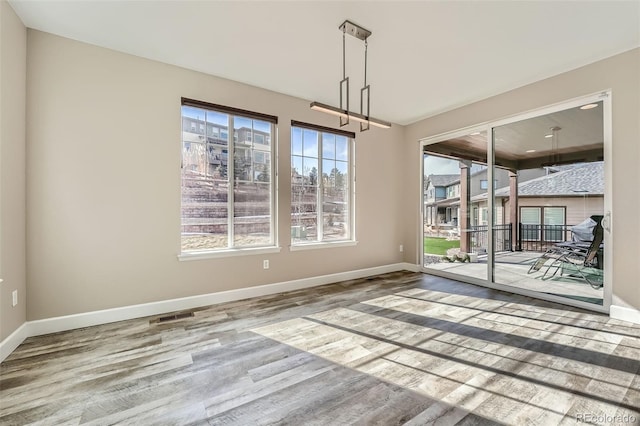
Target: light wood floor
401 348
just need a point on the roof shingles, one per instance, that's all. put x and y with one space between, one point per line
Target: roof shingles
586 179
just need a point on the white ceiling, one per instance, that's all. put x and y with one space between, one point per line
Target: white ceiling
424 57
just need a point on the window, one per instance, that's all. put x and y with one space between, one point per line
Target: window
484 216
543 223
227 196
453 191
321 184
484 184
553 223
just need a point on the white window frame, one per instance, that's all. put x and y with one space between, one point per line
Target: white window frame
319 242
231 249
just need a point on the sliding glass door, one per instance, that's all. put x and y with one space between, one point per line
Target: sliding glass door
521 204
455 230
554 204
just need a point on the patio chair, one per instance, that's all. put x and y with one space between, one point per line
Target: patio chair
583 260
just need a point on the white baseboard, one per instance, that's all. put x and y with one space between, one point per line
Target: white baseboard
623 313
410 267
14 340
87 319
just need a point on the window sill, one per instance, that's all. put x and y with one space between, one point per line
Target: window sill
214 254
322 245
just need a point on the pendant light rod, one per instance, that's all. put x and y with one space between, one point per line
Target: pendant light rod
344 83
343 112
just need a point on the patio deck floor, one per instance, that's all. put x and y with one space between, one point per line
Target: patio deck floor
511 268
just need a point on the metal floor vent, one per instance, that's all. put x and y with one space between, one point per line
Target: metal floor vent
174 317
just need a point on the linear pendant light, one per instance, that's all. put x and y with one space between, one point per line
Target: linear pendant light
317 106
343 112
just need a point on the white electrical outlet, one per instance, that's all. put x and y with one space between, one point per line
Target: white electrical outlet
265 264
14 298
401 248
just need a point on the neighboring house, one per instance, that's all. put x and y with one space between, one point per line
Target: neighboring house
550 200
549 205
566 195
210 153
442 199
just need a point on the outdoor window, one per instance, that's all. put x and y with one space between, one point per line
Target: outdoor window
484 216
553 223
543 223
321 184
453 191
484 184
227 183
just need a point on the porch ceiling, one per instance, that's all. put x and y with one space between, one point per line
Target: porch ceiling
523 145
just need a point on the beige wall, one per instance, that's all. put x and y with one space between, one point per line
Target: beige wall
13 51
104 184
620 73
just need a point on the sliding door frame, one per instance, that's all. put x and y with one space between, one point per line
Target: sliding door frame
488 127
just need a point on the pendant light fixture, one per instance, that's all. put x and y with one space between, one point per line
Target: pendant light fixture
343 112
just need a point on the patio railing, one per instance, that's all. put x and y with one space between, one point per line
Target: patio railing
480 239
541 237
537 238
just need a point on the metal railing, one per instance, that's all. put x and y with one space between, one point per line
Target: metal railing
537 238
479 236
541 237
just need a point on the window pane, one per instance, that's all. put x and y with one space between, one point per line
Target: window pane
296 141
328 172
206 212
310 143
531 220
304 214
217 119
261 132
554 224
315 216
204 182
310 169
530 215
296 169
342 172
554 215
328 145
251 222
342 148
335 214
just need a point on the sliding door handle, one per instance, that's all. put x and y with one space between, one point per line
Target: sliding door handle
606 221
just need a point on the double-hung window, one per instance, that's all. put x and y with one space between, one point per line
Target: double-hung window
322 184
543 223
228 190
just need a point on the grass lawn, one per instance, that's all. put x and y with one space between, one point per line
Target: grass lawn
440 246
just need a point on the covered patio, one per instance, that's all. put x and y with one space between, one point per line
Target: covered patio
512 269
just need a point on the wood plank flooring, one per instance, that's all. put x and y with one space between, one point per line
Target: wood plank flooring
400 348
